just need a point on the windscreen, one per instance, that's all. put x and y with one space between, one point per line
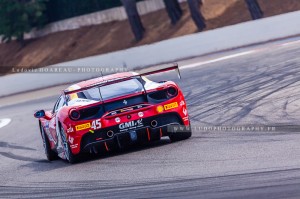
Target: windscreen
110 91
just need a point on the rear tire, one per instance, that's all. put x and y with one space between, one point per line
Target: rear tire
178 136
70 157
51 155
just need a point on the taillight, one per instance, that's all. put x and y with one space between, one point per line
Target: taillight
74 114
171 92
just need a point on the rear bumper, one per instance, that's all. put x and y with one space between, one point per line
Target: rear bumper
120 139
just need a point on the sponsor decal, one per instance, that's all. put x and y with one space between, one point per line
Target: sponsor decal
96 124
47 131
113 113
47 125
185 118
74 146
71 140
184 111
80 101
131 125
182 103
160 109
133 135
83 126
171 106
139 106
70 129
117 119
126 109
140 114
125 102
83 100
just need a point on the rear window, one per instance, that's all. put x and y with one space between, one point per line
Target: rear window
112 91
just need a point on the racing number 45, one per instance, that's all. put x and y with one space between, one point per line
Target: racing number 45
96 124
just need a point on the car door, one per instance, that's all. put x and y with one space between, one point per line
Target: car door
52 123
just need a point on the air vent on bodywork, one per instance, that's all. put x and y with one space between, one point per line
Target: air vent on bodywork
158 95
92 112
162 95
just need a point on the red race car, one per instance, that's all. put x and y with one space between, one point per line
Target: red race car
112 112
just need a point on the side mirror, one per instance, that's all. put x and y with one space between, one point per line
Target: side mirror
40 114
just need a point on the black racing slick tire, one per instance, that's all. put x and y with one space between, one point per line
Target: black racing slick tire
181 135
70 157
51 155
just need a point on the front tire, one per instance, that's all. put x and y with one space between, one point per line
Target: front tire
70 157
51 155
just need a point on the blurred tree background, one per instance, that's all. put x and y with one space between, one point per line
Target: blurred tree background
254 9
20 16
174 10
134 19
63 9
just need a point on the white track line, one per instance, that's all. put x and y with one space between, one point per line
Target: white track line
217 60
290 43
4 122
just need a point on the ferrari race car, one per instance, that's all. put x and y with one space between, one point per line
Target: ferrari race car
112 112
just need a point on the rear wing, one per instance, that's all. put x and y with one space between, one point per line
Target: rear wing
116 80
173 67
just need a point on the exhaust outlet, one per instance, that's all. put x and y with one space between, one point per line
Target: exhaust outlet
110 134
154 123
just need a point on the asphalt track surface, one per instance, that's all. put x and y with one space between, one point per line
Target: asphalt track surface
261 88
